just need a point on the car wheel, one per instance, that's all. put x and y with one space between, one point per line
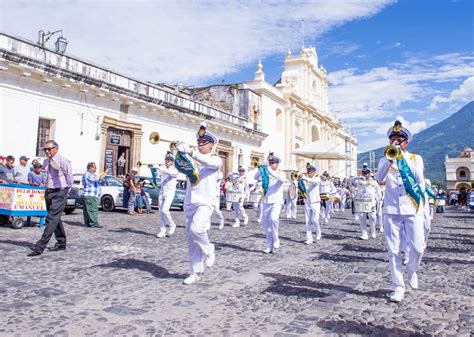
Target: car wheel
107 203
69 210
17 223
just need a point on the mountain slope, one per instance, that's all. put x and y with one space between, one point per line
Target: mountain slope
445 138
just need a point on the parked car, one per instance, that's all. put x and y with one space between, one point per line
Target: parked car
111 195
153 193
74 200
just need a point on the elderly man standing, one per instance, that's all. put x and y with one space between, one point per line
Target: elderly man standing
59 180
91 194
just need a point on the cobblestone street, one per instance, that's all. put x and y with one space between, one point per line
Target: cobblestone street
123 280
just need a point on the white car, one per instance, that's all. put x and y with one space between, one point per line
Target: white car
111 195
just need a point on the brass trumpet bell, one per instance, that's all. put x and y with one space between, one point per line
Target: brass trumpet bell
254 164
154 138
391 152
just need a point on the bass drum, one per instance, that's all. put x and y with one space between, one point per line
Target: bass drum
289 191
363 205
233 196
255 197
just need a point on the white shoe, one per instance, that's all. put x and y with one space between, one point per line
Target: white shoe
397 296
259 220
364 236
221 225
413 280
318 236
236 224
373 235
161 233
172 230
276 244
381 229
267 251
308 242
246 220
211 258
193 278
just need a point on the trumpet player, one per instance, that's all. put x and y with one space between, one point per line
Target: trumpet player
291 203
403 209
312 204
368 188
272 202
217 201
169 175
326 187
241 187
199 201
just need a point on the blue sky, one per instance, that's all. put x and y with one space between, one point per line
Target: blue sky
386 59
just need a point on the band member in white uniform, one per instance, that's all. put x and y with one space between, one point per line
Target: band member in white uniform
379 220
257 206
368 188
199 202
291 203
242 188
169 175
327 187
217 202
272 203
403 209
312 204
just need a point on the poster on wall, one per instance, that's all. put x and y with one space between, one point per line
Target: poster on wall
109 161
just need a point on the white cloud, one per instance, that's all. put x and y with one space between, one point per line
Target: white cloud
461 95
181 41
414 127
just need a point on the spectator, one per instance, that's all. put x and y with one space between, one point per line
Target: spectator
121 165
145 199
2 160
91 194
138 195
22 169
37 177
7 173
59 180
132 191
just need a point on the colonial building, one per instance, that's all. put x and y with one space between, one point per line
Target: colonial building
459 170
95 113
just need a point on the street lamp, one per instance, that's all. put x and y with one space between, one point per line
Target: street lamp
61 42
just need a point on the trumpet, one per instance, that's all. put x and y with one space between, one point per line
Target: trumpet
391 152
254 164
140 164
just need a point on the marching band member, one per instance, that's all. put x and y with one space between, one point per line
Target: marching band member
368 188
217 201
228 187
257 206
241 187
326 187
199 201
169 175
312 204
291 203
429 208
272 183
379 221
403 207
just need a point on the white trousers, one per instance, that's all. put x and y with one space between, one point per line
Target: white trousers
257 206
311 213
198 222
239 210
164 203
400 230
363 221
291 208
217 212
271 221
326 212
380 214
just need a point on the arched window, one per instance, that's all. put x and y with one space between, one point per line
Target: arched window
462 174
314 133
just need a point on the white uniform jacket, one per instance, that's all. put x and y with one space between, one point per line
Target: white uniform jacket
369 189
396 200
275 190
168 180
241 186
327 186
312 188
207 167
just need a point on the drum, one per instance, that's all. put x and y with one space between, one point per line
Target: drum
289 191
255 197
363 205
233 196
324 196
335 198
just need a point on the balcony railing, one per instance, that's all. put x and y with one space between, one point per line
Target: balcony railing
51 62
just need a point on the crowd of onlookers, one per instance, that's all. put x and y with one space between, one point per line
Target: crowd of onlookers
22 173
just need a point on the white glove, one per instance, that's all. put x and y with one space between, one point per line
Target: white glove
182 147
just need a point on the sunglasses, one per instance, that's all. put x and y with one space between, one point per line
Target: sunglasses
48 148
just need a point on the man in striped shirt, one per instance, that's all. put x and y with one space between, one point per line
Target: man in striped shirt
91 195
